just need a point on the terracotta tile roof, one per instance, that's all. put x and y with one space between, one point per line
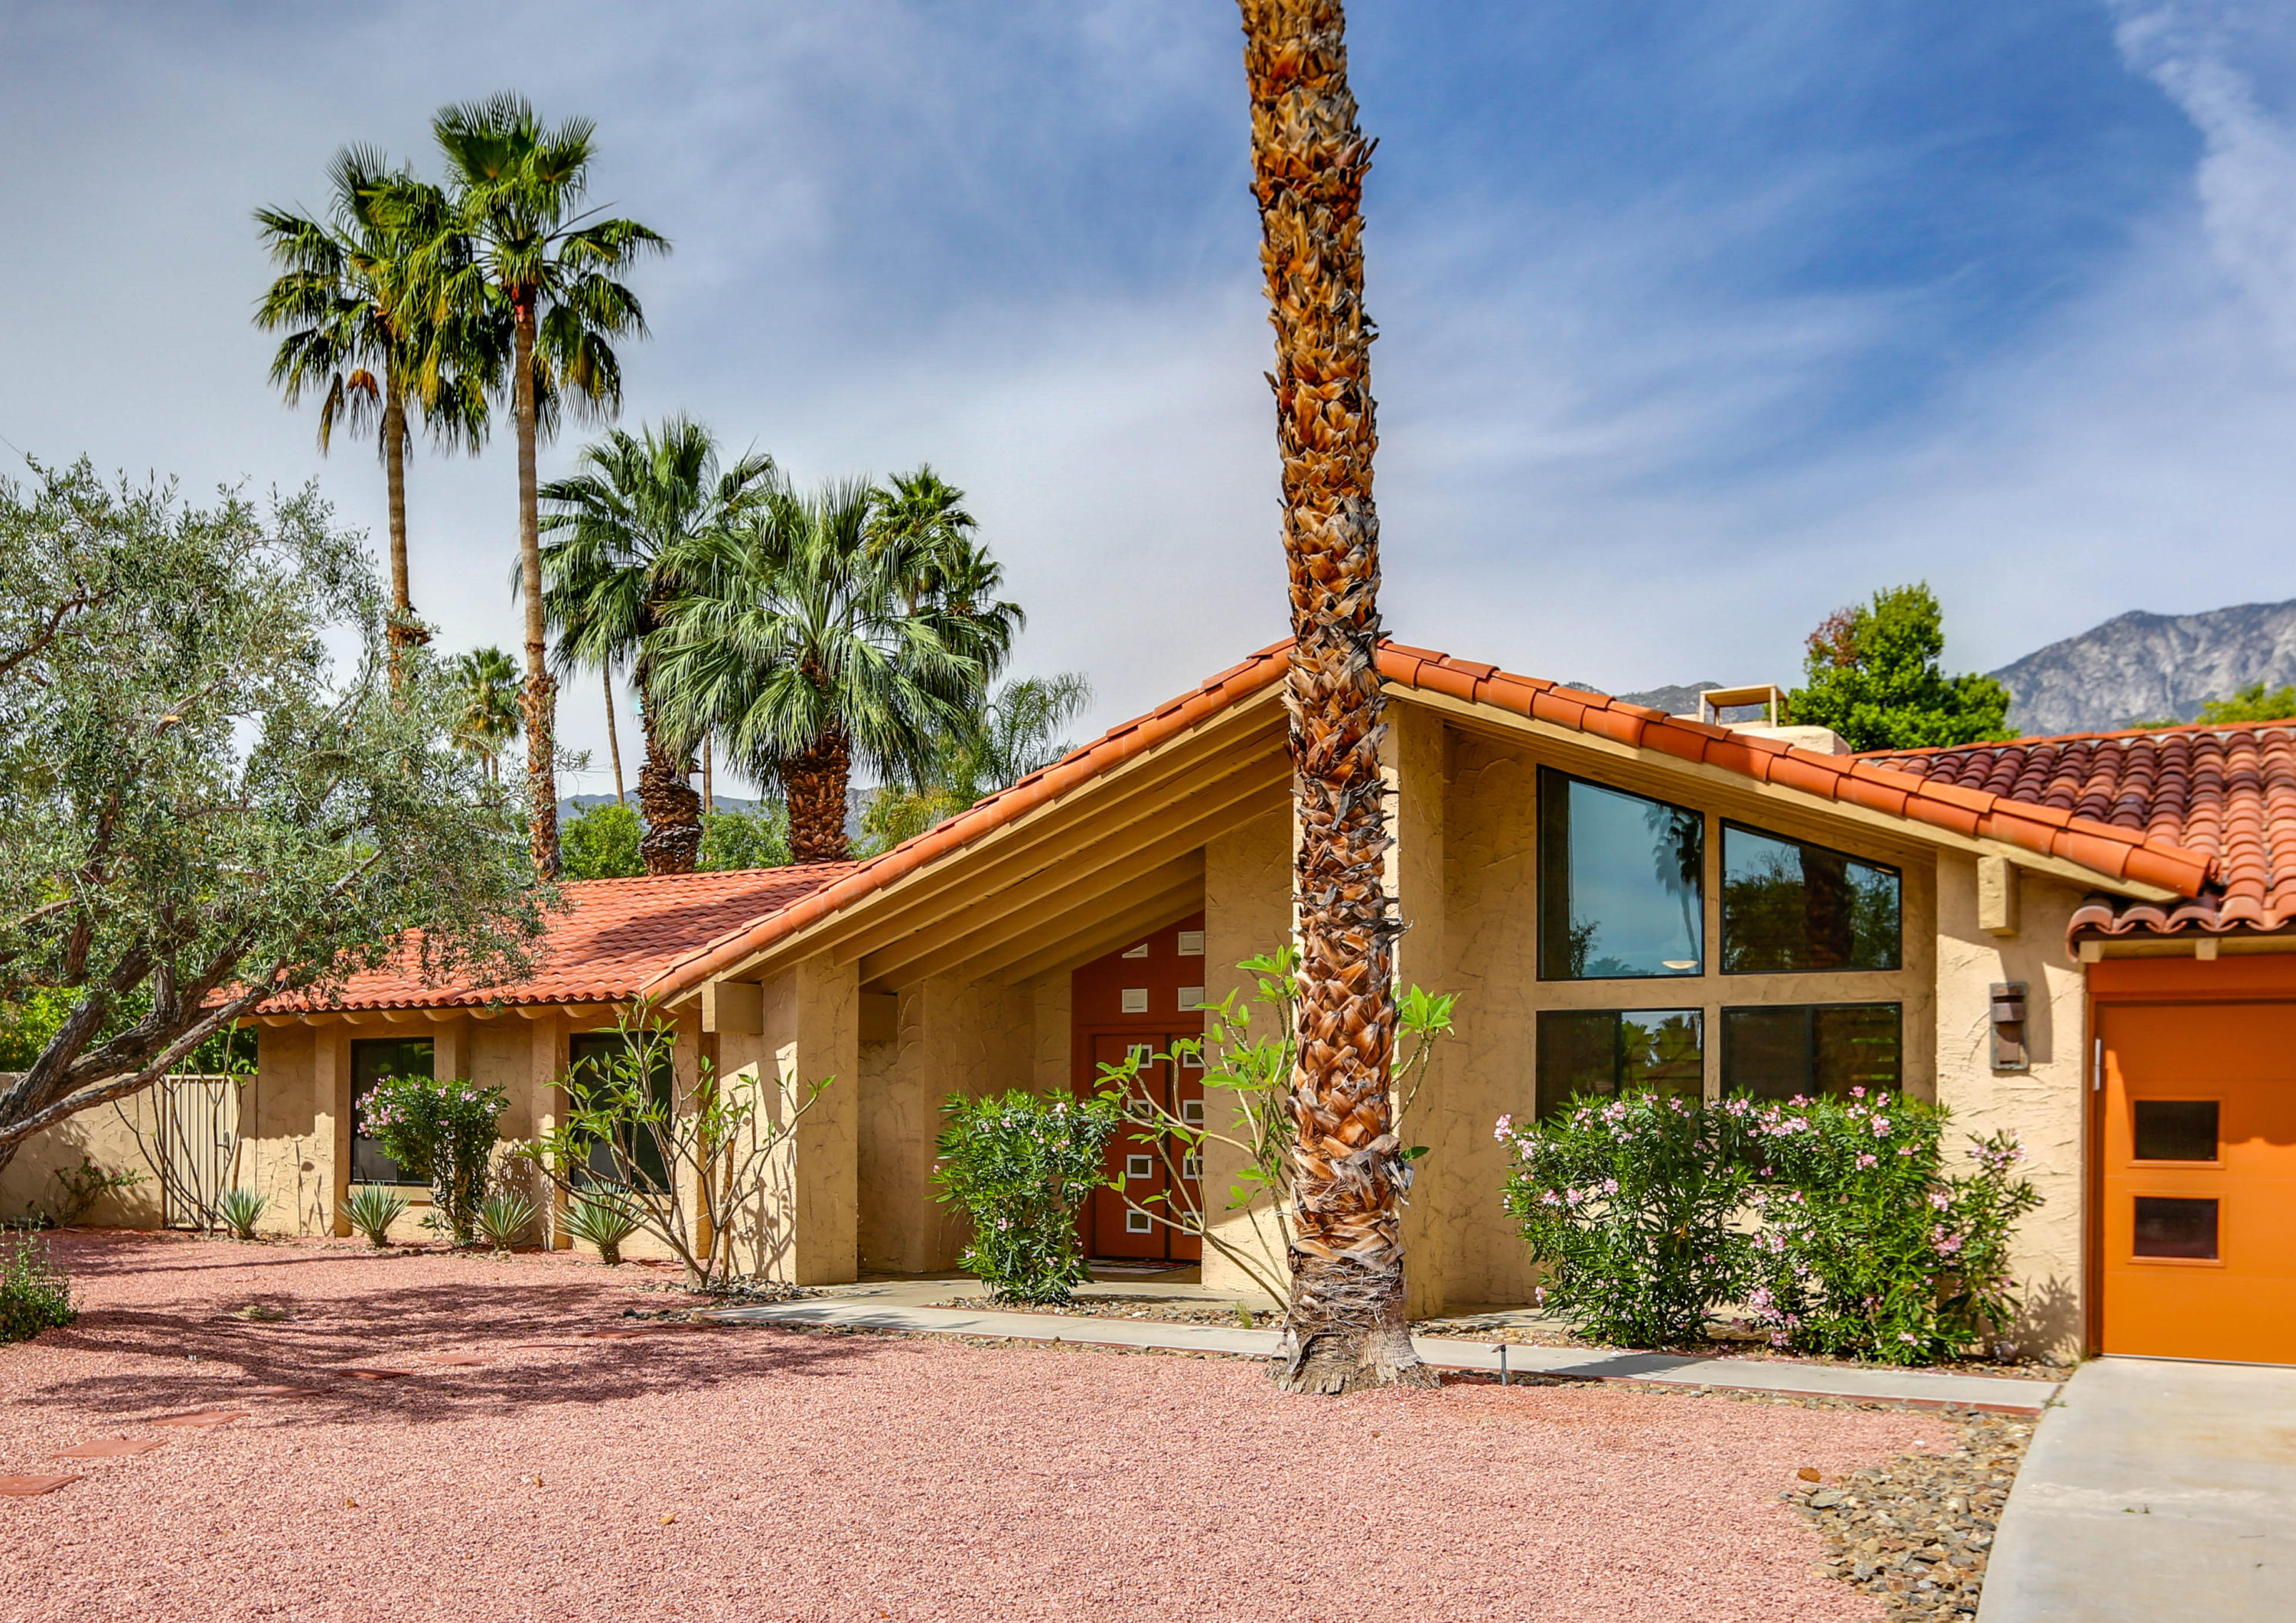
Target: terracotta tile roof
2106 848
613 936
2227 791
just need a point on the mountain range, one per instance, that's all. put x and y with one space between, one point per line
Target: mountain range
2135 667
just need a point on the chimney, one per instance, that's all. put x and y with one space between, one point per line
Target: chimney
1817 740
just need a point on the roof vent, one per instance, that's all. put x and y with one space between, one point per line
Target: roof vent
1818 740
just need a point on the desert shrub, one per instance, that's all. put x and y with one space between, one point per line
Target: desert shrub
35 1294
603 1222
1867 1246
371 1209
241 1210
505 1216
1021 1167
1630 1200
86 1185
444 1133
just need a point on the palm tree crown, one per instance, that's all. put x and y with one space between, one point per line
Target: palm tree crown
1021 729
807 650
489 718
613 532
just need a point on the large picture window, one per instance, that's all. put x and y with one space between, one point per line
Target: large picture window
1600 1051
589 1057
1787 905
1782 1050
372 1059
1621 886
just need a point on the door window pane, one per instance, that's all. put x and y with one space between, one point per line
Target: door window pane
1782 1050
1621 886
1791 906
2176 1228
2175 1129
590 1056
1597 1052
371 1061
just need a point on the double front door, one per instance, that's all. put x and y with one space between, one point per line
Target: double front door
1157 1181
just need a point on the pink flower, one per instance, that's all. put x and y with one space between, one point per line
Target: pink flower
1865 1161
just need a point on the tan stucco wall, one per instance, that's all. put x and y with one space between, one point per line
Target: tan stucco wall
2047 1106
1247 912
806 1229
106 1135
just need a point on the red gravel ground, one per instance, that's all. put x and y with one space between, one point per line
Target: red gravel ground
762 1474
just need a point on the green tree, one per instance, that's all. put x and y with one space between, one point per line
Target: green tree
602 841
199 813
487 681
356 338
613 531
804 649
525 254
1872 673
2250 704
738 841
1020 730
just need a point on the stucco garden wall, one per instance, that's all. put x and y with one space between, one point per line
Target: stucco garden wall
806 1229
106 1136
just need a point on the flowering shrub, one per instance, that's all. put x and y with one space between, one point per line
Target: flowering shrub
1630 1198
1022 1166
35 1294
1867 1245
1834 1222
443 1133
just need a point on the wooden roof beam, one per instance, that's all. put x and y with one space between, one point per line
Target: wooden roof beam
1089 895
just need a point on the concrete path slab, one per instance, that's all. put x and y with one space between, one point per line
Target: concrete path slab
1924 1387
2155 1489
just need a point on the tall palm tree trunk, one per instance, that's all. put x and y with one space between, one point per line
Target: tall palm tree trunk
814 783
672 841
403 633
1345 1327
613 734
538 699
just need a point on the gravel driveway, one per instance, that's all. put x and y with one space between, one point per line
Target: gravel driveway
766 1474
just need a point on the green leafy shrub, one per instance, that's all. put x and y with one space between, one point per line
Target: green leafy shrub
443 1133
371 1209
1631 1200
600 842
603 1222
505 1216
241 1210
35 1294
1867 1246
1021 1167
731 840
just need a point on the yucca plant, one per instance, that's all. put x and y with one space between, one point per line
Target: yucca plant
371 1209
598 1221
504 1218
241 1210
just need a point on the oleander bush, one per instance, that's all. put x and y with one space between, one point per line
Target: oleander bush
1835 1223
35 1293
443 1134
1021 1167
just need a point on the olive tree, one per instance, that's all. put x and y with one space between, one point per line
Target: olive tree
210 794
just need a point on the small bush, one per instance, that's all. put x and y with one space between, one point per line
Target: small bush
241 1210
1022 1166
601 1222
444 1133
371 1209
35 1294
505 1216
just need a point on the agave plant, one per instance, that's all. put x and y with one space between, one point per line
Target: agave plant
598 1221
504 1218
241 1210
371 1209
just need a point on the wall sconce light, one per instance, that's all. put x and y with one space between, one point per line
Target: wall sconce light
2009 1027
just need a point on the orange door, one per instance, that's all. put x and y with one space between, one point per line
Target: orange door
2198 1158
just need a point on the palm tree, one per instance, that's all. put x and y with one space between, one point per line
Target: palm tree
1345 1326
921 528
805 651
526 254
612 531
489 718
355 337
1019 731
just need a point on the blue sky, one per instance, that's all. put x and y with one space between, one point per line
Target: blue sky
1698 320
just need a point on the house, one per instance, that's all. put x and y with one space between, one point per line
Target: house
2087 940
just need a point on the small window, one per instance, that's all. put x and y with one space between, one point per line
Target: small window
1139 1223
372 1060
1139 1166
1192 1167
2176 1228
1192 943
591 1057
1621 884
1599 1052
2175 1129
1191 999
1780 1050
1134 999
1192 1112
1788 906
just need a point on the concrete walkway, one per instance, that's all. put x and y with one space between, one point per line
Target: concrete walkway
2154 1490
883 1308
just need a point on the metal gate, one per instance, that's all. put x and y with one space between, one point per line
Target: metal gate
197 1151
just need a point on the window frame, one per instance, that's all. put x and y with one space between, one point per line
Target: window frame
669 1077
400 1180
1722 900
1545 896
1617 1018
1810 1009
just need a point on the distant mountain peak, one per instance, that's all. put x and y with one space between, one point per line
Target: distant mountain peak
2140 666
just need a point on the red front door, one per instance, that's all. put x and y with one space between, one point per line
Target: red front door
1143 997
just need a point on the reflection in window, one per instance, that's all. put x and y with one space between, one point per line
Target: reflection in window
591 1057
1787 905
1600 1051
2175 1228
372 1059
1787 1049
1621 886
